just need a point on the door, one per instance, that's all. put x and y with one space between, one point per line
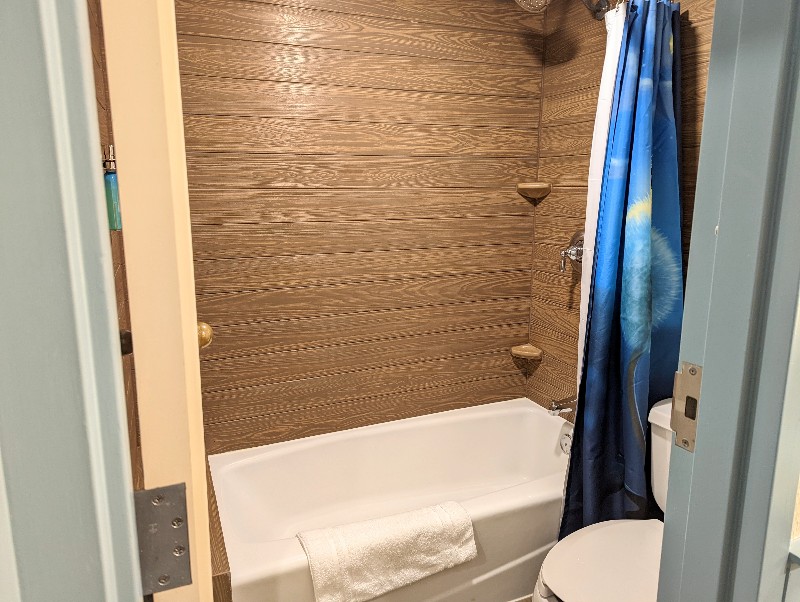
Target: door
66 510
729 511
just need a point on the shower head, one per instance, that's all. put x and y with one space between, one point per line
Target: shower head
534 6
597 7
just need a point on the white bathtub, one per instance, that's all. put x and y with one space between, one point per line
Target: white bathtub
502 461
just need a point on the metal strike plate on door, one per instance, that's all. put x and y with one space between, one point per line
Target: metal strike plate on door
685 404
163 538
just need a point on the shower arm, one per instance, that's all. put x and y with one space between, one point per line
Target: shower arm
598 9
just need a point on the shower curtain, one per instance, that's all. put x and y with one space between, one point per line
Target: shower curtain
635 300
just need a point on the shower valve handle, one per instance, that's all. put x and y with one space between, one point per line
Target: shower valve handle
573 252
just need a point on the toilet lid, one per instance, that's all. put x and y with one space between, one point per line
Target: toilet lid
613 561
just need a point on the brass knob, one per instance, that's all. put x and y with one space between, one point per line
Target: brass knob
205 335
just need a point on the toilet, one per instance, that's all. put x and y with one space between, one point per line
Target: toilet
617 560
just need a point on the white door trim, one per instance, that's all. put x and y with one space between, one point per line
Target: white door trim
141 52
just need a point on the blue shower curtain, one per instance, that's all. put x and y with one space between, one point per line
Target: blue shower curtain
636 300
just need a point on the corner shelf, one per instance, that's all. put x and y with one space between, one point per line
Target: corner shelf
527 352
534 191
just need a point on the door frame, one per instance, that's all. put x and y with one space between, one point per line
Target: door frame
67 529
730 504
141 51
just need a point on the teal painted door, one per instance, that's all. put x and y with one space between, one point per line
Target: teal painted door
66 501
730 503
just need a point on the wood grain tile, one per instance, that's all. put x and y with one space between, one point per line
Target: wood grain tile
244 59
240 307
273 428
230 205
257 21
256 338
570 107
346 103
565 170
353 354
329 269
463 13
569 75
227 240
567 139
320 137
236 170
320 389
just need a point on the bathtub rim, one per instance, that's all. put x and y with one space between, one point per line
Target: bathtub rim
235 457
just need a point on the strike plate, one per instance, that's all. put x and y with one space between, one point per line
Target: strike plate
163 538
685 404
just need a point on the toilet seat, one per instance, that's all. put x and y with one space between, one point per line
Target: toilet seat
613 561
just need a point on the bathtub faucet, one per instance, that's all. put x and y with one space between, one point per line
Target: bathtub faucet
563 406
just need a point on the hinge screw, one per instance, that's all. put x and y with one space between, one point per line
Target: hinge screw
163 580
177 522
157 500
685 442
692 370
179 551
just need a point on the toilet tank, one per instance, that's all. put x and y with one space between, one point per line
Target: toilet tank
661 447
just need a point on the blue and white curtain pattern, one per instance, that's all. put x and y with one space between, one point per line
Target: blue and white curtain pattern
635 301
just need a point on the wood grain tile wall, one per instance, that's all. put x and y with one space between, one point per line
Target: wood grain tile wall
359 246
117 251
574 50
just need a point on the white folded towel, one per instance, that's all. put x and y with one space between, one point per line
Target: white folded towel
361 561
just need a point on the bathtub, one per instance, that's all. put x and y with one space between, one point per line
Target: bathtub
502 461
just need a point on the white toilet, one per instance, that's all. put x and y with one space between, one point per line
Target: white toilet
617 560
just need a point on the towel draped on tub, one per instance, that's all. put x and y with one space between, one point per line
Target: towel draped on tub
361 561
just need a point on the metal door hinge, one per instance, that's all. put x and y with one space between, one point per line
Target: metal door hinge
125 342
163 538
685 404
